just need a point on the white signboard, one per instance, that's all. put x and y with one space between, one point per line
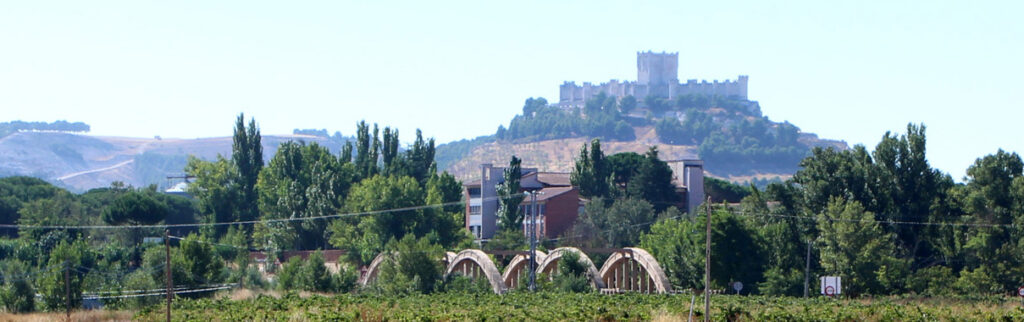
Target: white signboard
831 285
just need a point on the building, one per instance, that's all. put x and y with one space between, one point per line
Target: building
657 75
558 202
688 177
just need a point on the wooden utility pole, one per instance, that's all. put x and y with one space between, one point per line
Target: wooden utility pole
807 270
67 288
707 264
167 269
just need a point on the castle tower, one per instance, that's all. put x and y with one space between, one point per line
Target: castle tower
657 71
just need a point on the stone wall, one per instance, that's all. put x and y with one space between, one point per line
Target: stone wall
657 74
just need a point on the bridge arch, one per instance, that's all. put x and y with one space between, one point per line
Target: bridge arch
371 271
475 263
634 269
516 268
549 265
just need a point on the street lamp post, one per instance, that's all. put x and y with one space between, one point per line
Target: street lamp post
532 226
533 245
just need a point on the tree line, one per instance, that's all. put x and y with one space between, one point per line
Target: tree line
885 220
6 128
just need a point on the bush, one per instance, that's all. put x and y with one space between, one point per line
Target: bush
16 293
932 281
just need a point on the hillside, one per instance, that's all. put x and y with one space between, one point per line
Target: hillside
733 137
81 162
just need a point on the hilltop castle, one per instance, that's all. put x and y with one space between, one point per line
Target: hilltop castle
657 75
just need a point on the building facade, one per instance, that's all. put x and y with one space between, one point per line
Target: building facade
558 202
657 75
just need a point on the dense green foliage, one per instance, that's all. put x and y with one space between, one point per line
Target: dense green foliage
600 118
624 175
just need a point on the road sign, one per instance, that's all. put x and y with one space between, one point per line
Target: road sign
737 285
1020 291
831 285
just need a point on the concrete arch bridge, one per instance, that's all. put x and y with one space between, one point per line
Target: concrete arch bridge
626 269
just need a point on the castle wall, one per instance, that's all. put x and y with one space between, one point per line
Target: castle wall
657 74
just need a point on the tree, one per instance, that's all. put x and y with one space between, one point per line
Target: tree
909 188
15 192
201 263
448 220
533 105
412 267
367 150
16 294
421 159
855 247
621 223
591 172
737 252
509 197
379 197
622 167
137 208
61 209
78 259
301 181
653 182
995 196
389 154
572 274
217 189
627 104
247 156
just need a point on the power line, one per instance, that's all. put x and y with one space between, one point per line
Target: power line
156 292
249 222
818 218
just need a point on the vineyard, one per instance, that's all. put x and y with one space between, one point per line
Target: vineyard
582 306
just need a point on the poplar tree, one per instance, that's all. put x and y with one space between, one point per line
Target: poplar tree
509 197
247 155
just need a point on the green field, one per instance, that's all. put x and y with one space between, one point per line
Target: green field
587 306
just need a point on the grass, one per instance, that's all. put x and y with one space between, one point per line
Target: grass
86 316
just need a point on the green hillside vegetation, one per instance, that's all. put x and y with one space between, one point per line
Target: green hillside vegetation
731 134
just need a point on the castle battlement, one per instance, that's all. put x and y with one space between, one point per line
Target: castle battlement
657 75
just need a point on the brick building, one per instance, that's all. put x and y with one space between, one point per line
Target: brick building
558 202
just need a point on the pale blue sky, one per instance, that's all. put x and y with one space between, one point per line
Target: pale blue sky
846 70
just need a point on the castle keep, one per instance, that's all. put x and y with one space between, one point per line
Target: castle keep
657 75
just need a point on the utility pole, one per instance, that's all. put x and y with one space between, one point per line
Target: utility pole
533 240
707 264
67 289
167 269
807 270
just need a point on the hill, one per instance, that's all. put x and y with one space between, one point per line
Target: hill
736 141
80 162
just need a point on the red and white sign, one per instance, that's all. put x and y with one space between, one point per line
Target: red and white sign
1020 291
831 285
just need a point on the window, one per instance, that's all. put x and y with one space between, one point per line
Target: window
474 210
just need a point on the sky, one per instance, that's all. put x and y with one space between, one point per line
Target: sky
847 70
